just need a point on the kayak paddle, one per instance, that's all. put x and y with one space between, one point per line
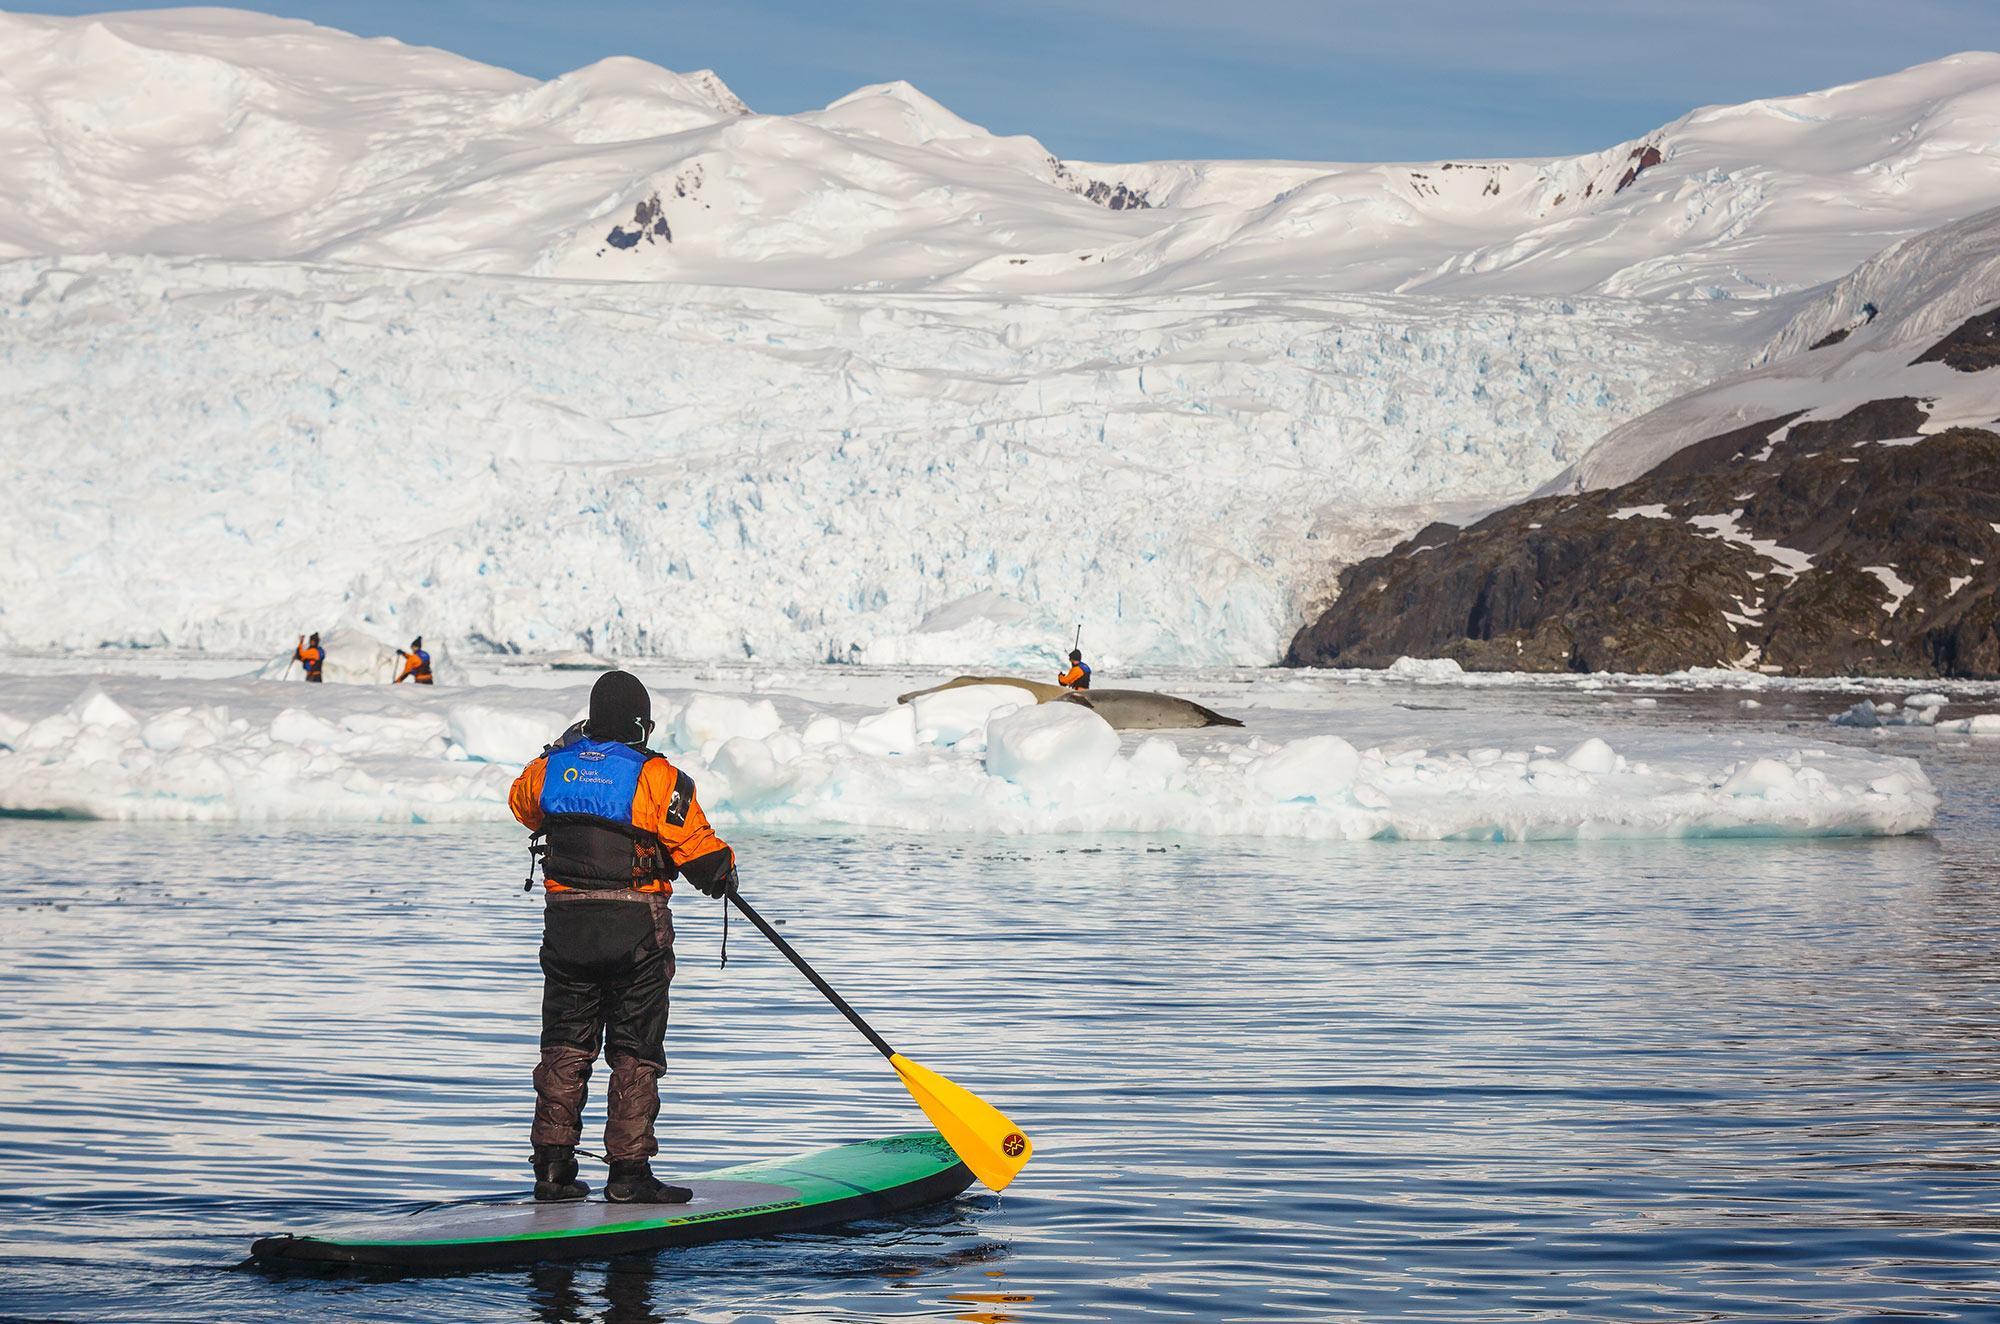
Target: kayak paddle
991 1145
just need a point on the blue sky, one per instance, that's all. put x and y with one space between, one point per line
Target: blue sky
1330 80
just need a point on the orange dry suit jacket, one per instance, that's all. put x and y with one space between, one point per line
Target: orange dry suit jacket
664 811
1077 677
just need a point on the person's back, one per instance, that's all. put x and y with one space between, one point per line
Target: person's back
621 822
1078 675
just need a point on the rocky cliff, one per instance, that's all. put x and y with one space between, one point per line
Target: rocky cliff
1843 547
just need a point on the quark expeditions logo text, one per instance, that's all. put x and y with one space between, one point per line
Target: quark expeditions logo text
589 776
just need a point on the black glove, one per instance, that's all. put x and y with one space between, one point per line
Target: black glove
720 885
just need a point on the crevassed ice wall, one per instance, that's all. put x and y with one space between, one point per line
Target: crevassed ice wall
218 455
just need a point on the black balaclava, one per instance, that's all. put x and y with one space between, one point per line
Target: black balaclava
417 642
1075 656
620 708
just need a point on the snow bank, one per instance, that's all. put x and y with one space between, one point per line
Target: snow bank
710 719
150 749
1315 768
1054 751
495 734
950 716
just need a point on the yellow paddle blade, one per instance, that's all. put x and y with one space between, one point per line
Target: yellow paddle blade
993 1147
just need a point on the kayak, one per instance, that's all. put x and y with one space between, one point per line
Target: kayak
816 1190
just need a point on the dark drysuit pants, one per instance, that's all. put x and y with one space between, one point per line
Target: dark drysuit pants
607 958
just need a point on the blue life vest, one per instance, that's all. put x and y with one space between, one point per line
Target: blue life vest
586 804
597 777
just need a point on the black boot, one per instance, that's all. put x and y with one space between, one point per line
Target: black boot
555 1174
632 1182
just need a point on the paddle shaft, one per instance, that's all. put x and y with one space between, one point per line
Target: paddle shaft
839 1003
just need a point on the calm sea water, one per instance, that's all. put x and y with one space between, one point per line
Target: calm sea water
1705 1081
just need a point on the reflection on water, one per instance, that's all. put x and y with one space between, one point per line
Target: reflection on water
1724 1080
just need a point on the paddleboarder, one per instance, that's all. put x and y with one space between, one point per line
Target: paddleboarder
416 663
620 823
309 652
1078 675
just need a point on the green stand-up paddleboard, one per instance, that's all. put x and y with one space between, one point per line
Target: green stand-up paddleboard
816 1190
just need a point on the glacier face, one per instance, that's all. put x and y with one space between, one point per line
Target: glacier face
218 455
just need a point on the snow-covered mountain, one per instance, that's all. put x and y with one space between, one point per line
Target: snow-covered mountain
210 132
304 329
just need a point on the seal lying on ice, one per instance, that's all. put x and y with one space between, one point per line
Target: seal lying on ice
1125 710
1142 710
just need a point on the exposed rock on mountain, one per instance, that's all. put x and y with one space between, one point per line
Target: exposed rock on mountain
649 222
1842 547
1974 347
1111 195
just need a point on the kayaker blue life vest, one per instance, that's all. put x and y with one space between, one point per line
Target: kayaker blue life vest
586 804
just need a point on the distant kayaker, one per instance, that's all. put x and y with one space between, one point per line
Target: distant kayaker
1078 675
416 663
621 823
309 652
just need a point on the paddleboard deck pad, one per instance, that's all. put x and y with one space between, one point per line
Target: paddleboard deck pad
838 1185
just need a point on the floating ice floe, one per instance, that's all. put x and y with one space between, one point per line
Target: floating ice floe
1917 710
977 759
